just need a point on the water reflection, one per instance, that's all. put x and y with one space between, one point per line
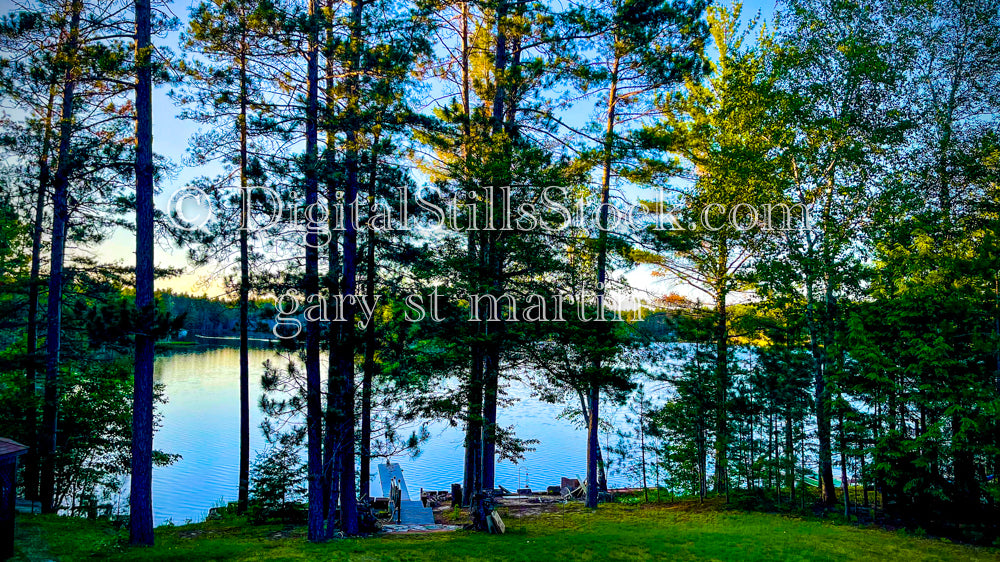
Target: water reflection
201 423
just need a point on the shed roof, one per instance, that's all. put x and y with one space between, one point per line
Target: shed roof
9 447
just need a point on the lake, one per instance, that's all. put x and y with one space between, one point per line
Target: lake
200 422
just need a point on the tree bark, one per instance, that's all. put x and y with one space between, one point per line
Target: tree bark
594 398
722 382
817 350
348 495
472 475
314 421
331 445
31 464
140 498
244 476
490 389
790 454
823 421
642 444
843 467
368 376
493 347
50 406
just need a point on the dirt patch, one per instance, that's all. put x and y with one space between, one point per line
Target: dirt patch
279 535
509 507
190 534
528 507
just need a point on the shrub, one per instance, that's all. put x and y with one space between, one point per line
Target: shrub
277 480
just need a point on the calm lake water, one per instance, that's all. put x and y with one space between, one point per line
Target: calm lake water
201 423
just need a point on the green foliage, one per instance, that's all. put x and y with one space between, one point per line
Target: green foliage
93 449
277 485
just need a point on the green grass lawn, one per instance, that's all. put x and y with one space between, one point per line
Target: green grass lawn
683 531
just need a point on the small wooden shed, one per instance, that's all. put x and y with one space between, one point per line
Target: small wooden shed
9 452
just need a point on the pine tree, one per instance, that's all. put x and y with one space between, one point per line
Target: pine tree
140 498
721 127
227 92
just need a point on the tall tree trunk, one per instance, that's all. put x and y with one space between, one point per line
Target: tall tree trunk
823 417
50 406
593 491
864 480
490 389
348 494
722 380
843 466
314 421
31 419
751 450
140 498
602 477
331 444
772 452
702 452
642 445
472 475
332 415
491 360
594 398
244 476
368 376
820 396
790 453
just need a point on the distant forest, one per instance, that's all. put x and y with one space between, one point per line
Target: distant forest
214 317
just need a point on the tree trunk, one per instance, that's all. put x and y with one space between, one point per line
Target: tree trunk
472 475
593 492
822 404
244 476
50 406
332 415
790 453
702 457
642 446
864 481
593 446
490 389
722 381
823 423
140 498
370 340
771 453
491 360
348 495
843 467
314 423
31 419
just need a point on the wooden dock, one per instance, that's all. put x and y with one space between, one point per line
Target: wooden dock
411 512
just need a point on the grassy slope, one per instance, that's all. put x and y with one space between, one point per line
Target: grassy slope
614 532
